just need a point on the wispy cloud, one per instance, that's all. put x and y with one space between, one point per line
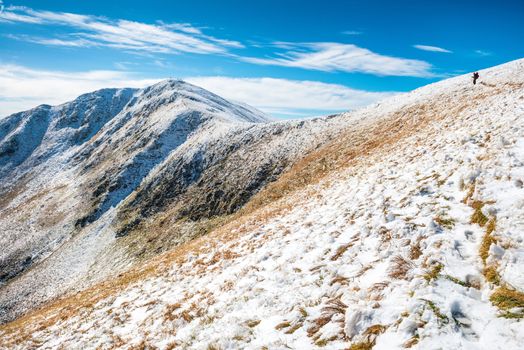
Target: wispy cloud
171 38
123 34
352 32
290 98
52 41
483 53
326 56
22 88
431 48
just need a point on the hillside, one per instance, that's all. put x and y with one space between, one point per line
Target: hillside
80 181
400 225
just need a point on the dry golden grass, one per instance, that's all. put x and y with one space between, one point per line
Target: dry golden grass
509 301
294 328
433 273
491 274
399 268
341 250
283 325
169 312
172 346
505 298
252 323
375 330
471 192
333 307
411 342
478 216
186 316
213 347
370 336
339 279
487 239
361 346
445 222
378 287
415 251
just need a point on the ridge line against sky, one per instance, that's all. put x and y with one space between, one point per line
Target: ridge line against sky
321 76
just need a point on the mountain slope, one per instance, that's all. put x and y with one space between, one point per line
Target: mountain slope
406 230
75 198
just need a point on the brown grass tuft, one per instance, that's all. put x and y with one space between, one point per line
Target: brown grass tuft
339 279
252 323
487 241
448 223
373 332
361 346
491 274
415 251
341 250
294 328
478 216
333 307
283 325
434 272
505 298
411 342
469 195
399 268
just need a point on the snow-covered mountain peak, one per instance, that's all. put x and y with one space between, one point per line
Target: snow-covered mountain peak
98 149
193 97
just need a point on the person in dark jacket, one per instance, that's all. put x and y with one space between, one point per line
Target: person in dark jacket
475 77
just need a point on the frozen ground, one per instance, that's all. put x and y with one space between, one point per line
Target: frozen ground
417 242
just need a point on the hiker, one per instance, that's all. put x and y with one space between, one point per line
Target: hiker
475 77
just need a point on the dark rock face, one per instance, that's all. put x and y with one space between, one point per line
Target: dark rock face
118 182
221 177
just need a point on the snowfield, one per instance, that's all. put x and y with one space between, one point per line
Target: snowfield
413 237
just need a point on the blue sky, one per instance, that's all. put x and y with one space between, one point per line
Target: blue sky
288 58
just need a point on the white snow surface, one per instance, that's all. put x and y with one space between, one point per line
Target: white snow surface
320 274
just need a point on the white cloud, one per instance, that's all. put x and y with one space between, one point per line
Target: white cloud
129 35
22 88
431 48
352 32
289 97
344 58
52 42
483 53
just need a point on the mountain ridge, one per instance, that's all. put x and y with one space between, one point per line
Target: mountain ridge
182 129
